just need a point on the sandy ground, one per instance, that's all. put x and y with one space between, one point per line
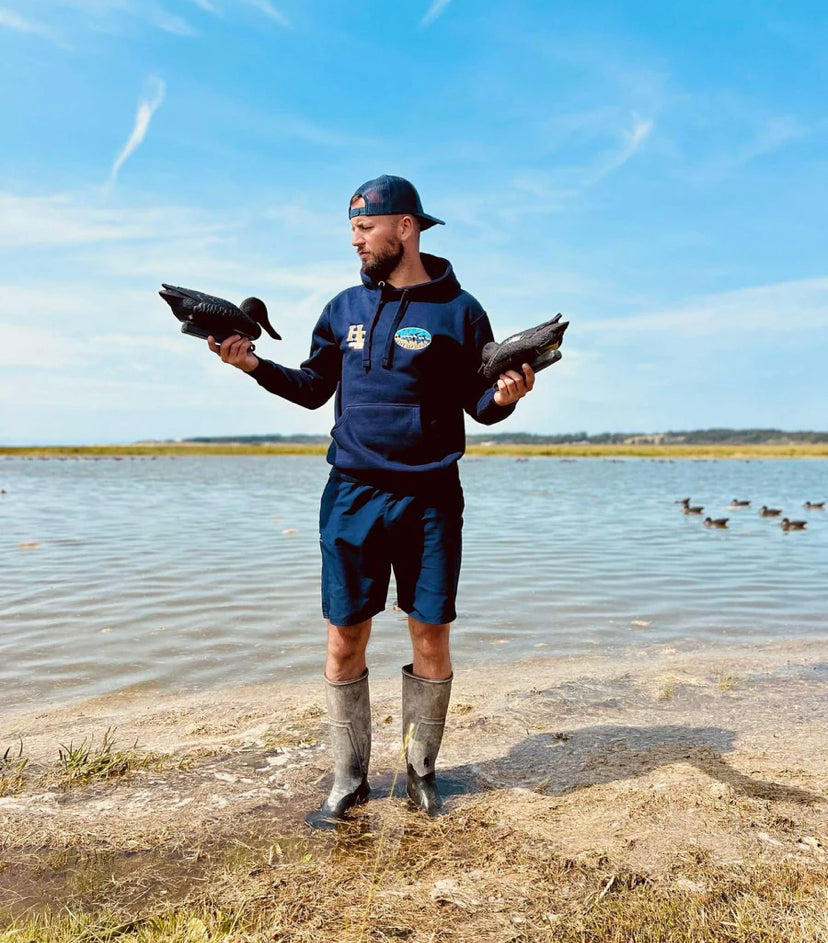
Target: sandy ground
633 757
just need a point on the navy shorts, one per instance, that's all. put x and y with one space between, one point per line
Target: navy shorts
366 531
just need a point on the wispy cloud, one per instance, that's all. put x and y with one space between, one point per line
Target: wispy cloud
437 7
146 109
171 23
11 19
744 315
538 192
74 220
632 139
264 6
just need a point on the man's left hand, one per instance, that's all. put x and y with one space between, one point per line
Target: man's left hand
514 385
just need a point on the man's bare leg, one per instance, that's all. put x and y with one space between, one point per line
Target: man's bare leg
430 645
346 650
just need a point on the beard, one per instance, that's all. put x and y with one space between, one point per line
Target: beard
384 261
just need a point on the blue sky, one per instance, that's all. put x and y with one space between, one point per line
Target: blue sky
658 172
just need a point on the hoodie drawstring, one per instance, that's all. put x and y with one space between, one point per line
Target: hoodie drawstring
388 355
366 347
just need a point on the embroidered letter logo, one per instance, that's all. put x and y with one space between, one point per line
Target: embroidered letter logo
356 336
412 338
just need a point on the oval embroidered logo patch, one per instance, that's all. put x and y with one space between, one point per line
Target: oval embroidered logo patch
412 338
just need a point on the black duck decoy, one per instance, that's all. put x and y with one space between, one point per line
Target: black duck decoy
537 346
792 525
208 316
765 511
736 503
716 521
814 505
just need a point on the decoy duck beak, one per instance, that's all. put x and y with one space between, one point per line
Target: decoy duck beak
256 309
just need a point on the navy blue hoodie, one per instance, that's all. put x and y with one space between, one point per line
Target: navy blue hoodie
404 364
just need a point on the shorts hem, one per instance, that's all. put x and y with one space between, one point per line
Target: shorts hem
352 620
452 614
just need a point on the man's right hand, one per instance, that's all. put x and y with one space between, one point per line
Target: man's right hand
235 350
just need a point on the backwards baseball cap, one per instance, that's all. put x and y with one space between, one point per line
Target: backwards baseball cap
390 196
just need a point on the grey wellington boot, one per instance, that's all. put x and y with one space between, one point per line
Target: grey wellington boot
349 719
424 706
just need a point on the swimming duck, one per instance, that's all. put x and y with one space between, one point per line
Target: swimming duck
208 316
716 521
765 511
736 503
686 508
792 525
814 505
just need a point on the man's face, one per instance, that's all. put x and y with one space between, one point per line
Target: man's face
377 243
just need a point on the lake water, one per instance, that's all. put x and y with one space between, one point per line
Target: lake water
178 574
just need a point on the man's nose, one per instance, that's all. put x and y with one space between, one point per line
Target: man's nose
357 239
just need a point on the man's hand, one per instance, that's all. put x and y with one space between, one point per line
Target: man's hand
235 350
514 385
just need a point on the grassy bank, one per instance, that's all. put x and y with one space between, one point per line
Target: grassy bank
575 814
404 878
573 450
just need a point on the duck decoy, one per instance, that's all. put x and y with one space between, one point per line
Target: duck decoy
537 346
814 505
736 503
208 316
765 511
792 525
716 521
692 509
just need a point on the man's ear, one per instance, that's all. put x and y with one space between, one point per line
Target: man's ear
408 227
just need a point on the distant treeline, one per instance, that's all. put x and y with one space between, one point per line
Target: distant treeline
693 437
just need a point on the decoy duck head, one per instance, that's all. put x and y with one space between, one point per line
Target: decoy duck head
255 308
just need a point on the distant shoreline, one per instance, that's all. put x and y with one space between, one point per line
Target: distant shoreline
568 450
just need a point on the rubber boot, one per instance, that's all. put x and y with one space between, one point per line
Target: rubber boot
349 720
424 706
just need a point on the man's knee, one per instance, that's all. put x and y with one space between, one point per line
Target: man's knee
430 644
346 650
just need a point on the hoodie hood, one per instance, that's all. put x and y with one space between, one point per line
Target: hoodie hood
442 286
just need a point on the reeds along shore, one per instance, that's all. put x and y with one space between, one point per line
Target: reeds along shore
571 450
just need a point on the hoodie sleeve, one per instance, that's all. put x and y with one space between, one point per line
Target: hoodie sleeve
314 382
479 402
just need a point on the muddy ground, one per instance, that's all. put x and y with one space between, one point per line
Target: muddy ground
637 759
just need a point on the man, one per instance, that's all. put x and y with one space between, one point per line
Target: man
401 352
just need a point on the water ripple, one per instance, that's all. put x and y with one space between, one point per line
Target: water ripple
198 572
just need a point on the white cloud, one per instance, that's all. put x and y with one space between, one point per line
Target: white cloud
633 138
72 220
146 109
11 19
436 9
171 23
38 347
267 8
745 315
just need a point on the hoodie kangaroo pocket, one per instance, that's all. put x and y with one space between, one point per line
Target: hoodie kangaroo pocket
392 432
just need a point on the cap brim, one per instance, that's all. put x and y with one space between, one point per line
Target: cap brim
426 222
